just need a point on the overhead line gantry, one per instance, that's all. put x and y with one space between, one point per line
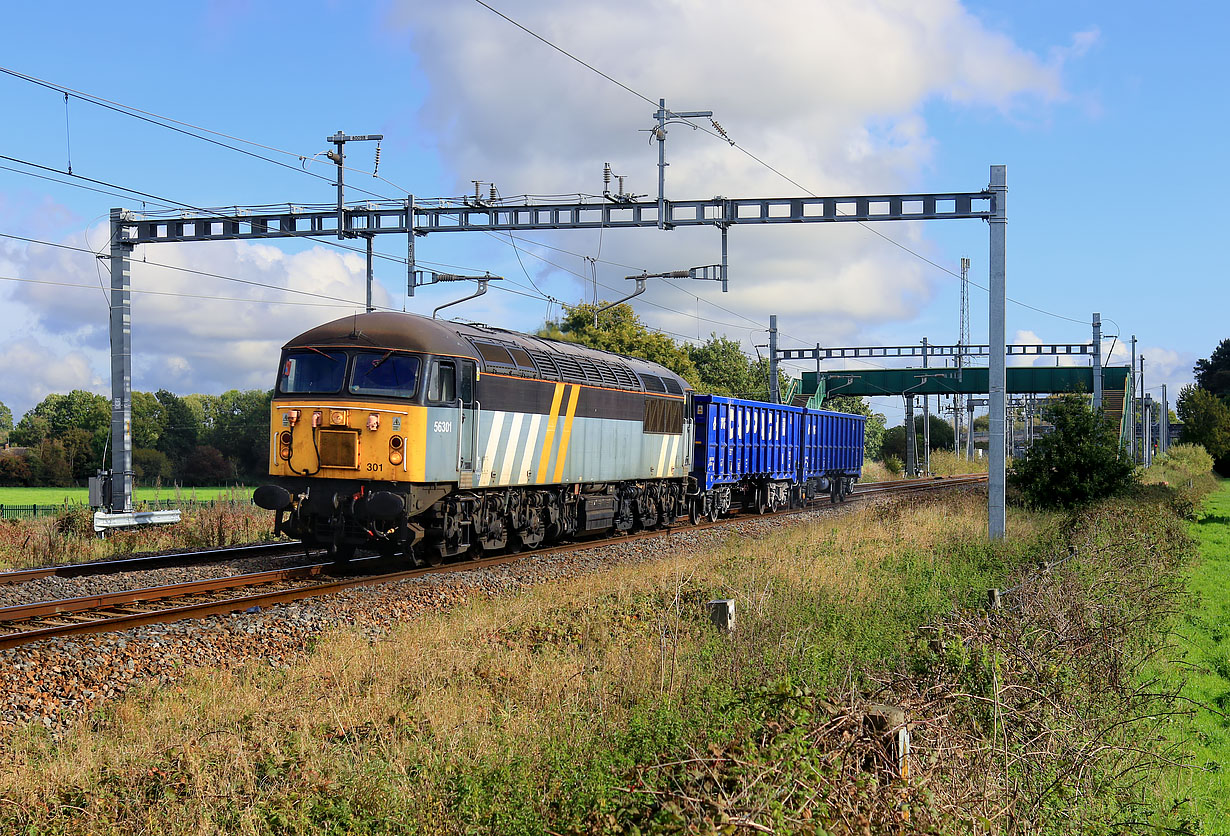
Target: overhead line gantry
406 217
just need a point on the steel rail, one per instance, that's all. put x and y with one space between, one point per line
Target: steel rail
138 564
205 609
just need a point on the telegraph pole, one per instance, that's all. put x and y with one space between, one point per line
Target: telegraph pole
911 456
1163 444
339 157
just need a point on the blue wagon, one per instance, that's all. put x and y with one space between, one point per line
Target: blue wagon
767 456
832 444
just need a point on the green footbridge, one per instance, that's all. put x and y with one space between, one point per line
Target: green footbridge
1022 380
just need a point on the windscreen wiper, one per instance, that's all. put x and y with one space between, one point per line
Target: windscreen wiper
321 353
378 363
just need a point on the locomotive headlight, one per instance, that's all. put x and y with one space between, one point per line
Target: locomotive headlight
395 450
317 418
373 421
284 438
337 417
292 417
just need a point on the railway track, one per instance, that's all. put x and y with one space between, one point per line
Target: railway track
153 561
110 612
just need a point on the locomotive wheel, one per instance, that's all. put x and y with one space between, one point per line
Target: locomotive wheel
696 510
714 513
763 505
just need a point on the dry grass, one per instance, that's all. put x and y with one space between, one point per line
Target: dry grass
551 683
69 537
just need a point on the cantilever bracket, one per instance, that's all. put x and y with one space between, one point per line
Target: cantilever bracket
482 288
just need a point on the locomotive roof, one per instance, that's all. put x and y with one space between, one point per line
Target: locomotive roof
412 332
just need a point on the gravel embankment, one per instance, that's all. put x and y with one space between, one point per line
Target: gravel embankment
56 680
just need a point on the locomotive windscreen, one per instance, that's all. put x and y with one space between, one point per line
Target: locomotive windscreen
385 373
312 371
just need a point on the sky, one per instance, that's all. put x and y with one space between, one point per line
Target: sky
1107 115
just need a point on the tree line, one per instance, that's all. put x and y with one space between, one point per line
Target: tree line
187 440
1204 407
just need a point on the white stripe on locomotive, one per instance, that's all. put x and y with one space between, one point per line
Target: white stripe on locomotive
528 449
488 464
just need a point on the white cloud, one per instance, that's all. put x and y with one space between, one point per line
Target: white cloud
196 333
832 94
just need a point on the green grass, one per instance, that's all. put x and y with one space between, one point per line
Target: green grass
62 496
1204 638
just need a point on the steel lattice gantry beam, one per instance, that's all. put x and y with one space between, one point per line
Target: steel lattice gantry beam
408 218
393 216
972 380
929 350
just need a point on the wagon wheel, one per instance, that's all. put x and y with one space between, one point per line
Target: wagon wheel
763 505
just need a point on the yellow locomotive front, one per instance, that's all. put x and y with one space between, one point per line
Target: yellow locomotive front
349 444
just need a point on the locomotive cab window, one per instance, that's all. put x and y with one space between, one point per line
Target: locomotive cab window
443 385
384 373
311 370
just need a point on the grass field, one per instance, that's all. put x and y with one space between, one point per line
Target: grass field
1203 636
67 496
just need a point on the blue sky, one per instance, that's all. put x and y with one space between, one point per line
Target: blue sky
1108 116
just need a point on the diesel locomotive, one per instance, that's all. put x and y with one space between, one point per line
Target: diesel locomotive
433 439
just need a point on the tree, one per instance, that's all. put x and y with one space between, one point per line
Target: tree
180 430
150 465
15 470
1079 462
722 367
894 443
207 466
6 423
620 330
237 424
56 414
1206 421
147 420
1213 374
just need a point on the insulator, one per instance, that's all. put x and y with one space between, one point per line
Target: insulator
606 177
493 196
376 167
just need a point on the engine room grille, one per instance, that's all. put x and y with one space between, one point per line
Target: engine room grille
339 448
